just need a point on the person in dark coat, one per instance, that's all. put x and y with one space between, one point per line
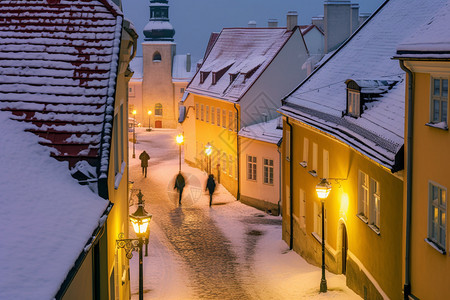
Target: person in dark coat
144 157
179 185
211 186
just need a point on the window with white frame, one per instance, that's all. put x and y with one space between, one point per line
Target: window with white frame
218 116
207 114
374 215
224 118
268 171
439 100
437 210
251 167
224 162
197 111
363 195
230 165
158 109
230 121
213 114
201 112
353 108
318 219
304 163
326 164
235 122
302 209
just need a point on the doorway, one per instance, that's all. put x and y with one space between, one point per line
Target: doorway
158 124
344 249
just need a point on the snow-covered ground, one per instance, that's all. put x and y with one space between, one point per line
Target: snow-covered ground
276 272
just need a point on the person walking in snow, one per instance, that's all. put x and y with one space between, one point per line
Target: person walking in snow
211 186
144 157
179 185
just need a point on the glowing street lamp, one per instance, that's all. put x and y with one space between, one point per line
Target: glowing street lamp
134 133
149 114
180 141
140 220
323 189
208 152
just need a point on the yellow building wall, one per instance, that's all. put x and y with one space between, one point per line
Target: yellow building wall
223 141
430 269
372 259
81 286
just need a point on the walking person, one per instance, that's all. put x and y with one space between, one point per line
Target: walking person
211 186
144 157
179 185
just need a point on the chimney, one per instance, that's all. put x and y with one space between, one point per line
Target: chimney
354 15
272 23
292 19
251 24
188 62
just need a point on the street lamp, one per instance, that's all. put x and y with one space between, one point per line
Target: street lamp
323 189
208 151
134 133
149 114
180 140
140 220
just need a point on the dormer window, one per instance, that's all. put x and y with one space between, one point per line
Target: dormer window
203 76
233 77
353 99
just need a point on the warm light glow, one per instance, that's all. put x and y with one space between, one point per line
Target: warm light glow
208 149
149 112
134 112
140 221
323 189
180 139
344 205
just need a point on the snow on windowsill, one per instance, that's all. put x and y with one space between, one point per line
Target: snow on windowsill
440 125
363 218
375 229
435 246
304 164
313 173
118 178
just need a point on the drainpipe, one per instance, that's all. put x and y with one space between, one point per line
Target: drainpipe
409 151
291 180
238 153
279 180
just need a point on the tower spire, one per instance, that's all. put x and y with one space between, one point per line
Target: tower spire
159 27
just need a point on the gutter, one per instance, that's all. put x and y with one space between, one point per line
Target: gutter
238 153
409 153
95 237
291 180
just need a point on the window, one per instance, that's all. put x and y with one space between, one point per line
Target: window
197 111
181 90
157 57
207 114
302 209
439 100
224 162
131 92
116 144
304 163
121 134
218 117
363 196
374 217
251 167
326 161
268 171
213 114
236 129
314 166
230 165
437 211
318 219
201 112
353 103
224 118
158 109
230 121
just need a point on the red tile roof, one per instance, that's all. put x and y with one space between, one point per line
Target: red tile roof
58 66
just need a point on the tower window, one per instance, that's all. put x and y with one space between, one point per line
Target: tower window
156 56
158 109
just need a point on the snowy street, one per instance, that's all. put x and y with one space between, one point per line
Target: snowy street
227 251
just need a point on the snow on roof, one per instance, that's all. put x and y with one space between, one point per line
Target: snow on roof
432 39
243 46
44 226
137 65
179 68
307 28
321 99
270 131
58 68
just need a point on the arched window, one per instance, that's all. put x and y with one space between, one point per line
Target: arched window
158 109
156 56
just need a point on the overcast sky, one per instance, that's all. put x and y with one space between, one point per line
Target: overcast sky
194 20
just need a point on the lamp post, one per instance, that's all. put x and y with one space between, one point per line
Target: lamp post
180 140
140 220
323 189
134 133
208 152
149 124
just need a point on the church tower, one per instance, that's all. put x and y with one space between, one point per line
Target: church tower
158 54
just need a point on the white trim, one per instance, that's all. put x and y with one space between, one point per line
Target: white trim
118 177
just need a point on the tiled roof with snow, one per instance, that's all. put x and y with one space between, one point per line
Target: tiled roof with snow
270 131
179 68
236 60
431 40
320 100
307 28
58 72
137 65
46 220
